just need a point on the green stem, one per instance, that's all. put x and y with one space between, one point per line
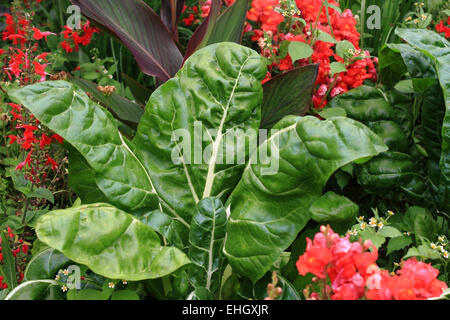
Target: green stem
329 22
318 18
329 89
25 210
363 21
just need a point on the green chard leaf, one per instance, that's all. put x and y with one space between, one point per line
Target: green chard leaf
216 94
207 233
93 131
437 48
110 242
270 205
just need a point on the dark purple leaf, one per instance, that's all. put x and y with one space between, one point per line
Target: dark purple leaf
170 12
204 31
141 30
289 93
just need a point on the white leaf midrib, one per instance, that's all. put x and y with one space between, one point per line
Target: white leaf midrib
215 150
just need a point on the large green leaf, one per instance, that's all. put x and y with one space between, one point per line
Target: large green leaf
218 91
438 48
364 104
36 290
289 93
172 230
45 265
110 242
141 30
82 179
217 96
93 131
208 228
269 208
407 59
388 171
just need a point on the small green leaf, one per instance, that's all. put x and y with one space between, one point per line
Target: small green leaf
343 47
326 37
376 238
299 50
398 243
45 265
42 193
337 67
165 225
390 232
208 229
342 179
332 207
405 86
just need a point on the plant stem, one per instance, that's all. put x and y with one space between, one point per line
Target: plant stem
363 21
329 89
24 214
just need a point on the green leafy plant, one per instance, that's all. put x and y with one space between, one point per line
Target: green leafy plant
408 113
180 223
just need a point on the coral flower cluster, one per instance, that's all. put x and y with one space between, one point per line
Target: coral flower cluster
347 270
277 21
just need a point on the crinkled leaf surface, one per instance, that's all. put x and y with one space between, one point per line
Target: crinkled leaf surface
268 210
207 233
110 242
438 48
387 171
332 207
174 232
217 90
93 131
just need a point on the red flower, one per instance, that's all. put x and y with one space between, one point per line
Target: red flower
45 141
443 29
26 162
262 11
314 260
57 138
12 139
51 162
38 34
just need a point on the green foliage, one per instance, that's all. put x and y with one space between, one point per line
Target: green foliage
110 242
192 207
